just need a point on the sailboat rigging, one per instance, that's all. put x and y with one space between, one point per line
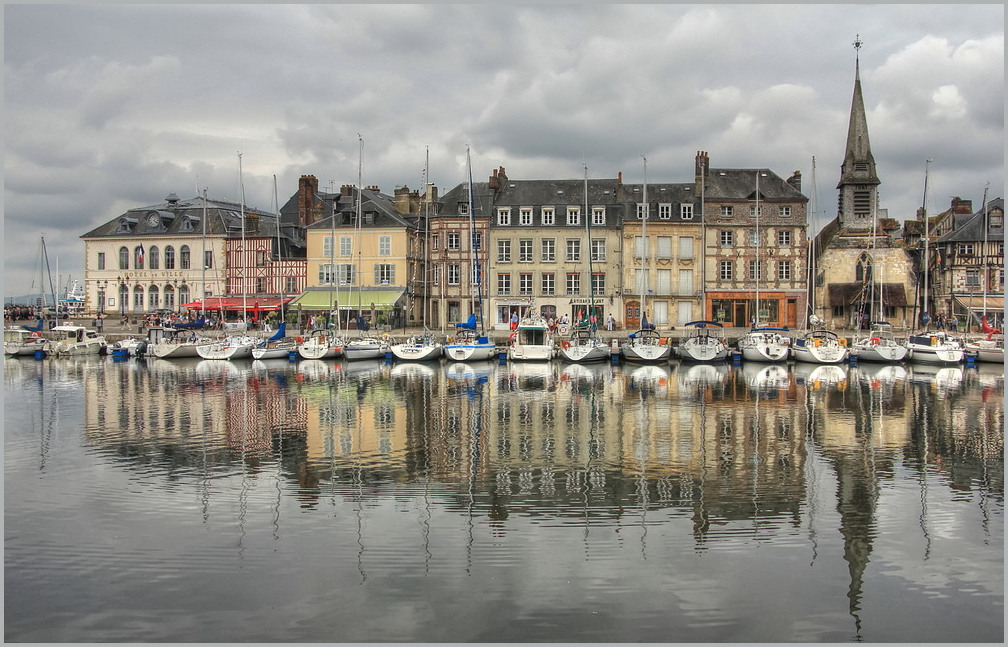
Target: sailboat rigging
278 346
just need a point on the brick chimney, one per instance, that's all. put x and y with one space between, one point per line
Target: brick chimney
498 181
619 187
307 189
962 206
701 171
795 181
402 200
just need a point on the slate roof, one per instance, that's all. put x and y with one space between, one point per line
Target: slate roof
381 206
970 227
740 184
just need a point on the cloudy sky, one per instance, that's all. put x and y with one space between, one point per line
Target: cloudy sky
109 107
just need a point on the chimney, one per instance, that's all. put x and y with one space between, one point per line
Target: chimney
347 190
962 206
307 188
795 181
701 171
402 200
619 187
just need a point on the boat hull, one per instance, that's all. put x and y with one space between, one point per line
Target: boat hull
417 352
470 352
702 350
364 349
583 353
819 347
934 348
226 349
760 346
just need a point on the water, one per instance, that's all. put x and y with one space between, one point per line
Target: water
209 501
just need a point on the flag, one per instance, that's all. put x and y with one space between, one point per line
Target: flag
140 254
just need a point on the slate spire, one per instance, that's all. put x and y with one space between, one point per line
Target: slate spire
859 164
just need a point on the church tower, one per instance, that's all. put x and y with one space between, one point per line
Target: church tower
859 181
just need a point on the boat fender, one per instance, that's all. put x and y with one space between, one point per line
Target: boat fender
299 339
565 344
450 339
512 336
875 341
934 341
36 334
842 341
385 337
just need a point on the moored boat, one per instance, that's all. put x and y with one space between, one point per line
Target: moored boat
69 339
765 345
701 346
820 346
532 341
880 345
934 347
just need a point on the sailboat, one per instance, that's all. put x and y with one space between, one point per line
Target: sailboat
584 344
235 346
763 343
26 341
880 344
991 347
279 345
366 346
701 346
470 343
645 345
817 345
425 347
931 346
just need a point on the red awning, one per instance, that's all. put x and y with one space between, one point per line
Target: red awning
265 304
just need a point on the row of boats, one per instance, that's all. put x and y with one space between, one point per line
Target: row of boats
533 339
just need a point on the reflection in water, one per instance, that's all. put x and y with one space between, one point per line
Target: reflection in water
742 455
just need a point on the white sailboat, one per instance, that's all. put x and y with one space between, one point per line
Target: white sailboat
584 344
425 347
880 344
763 343
701 346
279 345
931 346
817 345
470 342
645 345
366 345
26 341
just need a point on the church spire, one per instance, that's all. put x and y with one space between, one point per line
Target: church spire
858 178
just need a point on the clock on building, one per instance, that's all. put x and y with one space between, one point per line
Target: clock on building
153 220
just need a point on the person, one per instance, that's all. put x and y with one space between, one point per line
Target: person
99 324
955 323
610 322
514 320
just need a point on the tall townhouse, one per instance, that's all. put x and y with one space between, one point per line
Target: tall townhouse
662 255
755 241
457 256
553 248
165 255
967 264
355 265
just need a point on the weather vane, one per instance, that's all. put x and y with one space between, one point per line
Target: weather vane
857 41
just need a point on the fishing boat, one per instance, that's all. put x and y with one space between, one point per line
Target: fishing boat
22 342
470 342
584 344
532 341
763 343
69 339
645 345
700 345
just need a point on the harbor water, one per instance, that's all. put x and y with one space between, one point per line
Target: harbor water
154 500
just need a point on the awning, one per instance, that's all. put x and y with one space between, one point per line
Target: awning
976 303
843 294
321 299
260 303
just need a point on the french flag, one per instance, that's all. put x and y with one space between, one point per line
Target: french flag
140 254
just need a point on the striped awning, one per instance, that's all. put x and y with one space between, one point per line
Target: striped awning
349 299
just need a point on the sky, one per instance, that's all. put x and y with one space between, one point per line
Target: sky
112 107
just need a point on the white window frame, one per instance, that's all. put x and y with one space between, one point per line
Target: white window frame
573 216
784 270
641 210
598 216
549 250
727 211
726 270
573 284
548 216
503 284
525 250
686 211
784 238
454 273
504 216
525 216
573 249
598 250
525 283
504 250
785 211
454 242
686 247
726 238
548 284
665 211
663 247
346 245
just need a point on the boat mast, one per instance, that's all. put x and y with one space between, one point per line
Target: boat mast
280 268
203 249
644 244
473 252
983 254
757 277
809 270
924 315
244 289
360 200
588 249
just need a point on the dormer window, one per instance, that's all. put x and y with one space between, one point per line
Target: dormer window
126 225
189 223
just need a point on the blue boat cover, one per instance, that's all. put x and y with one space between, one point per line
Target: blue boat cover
469 324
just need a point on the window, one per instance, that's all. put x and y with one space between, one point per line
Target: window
290 284
152 298
548 250
640 246
384 274
384 245
640 281
784 211
686 211
783 270
964 248
754 238
686 247
727 211
454 241
784 238
169 257
664 247
754 212
642 210
260 285
326 274
573 284
327 246
598 215
525 283
665 211
184 263
208 259
663 282
726 238
972 278
477 240
525 216
548 216
573 215
598 249
504 216
346 246
504 251
548 284
525 250
863 269
346 273
598 283
153 258
435 242
101 260
463 208
725 270
454 274
573 249
503 284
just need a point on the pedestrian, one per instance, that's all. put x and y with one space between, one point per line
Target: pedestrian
514 320
610 322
